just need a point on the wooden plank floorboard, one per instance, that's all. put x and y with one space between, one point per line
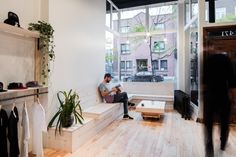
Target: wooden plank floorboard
171 136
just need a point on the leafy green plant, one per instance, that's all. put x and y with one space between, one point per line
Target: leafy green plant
46 44
69 110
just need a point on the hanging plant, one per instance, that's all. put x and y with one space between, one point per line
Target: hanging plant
46 45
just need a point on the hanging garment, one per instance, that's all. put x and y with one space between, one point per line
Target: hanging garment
3 136
13 133
25 132
38 126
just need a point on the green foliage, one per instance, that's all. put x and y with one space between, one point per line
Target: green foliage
69 106
110 58
139 28
46 44
228 17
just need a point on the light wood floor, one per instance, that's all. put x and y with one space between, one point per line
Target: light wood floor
172 136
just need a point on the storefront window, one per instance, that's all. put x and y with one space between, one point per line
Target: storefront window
225 11
142 50
111 56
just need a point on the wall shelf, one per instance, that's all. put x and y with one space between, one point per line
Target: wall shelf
18 31
17 94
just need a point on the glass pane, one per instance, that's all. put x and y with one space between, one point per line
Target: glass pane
111 56
162 17
132 21
115 20
225 10
194 7
141 53
108 14
194 62
187 11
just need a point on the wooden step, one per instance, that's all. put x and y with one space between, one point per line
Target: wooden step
100 109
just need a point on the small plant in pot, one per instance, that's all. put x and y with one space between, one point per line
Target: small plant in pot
69 111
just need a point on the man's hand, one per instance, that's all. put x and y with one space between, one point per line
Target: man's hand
114 89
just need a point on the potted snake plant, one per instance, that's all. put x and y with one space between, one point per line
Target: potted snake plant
69 111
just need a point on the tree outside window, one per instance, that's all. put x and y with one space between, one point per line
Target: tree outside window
155 65
134 18
159 26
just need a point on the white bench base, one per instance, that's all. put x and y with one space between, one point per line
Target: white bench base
72 138
97 117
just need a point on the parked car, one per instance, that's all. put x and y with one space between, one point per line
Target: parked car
144 76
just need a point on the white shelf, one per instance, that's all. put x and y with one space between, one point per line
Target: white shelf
21 92
18 31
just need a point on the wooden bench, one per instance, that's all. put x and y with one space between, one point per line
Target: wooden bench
96 118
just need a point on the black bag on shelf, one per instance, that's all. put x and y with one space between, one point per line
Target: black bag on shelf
12 19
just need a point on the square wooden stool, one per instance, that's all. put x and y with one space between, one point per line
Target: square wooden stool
152 109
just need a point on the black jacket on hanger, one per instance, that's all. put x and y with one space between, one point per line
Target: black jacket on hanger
3 136
13 133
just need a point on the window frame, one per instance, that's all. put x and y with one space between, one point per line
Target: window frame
164 69
122 65
161 49
130 63
156 67
126 50
126 28
158 28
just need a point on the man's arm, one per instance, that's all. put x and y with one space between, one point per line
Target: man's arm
104 91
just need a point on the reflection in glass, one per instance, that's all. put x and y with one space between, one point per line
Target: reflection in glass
194 63
225 11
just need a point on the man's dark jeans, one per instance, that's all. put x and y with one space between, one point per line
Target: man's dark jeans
122 97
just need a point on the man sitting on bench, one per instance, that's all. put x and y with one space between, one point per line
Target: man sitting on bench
114 95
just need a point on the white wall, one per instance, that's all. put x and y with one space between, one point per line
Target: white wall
80 45
79 38
27 10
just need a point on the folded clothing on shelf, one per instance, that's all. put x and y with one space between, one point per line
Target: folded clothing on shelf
16 85
33 84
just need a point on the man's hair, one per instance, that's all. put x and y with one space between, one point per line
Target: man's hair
107 75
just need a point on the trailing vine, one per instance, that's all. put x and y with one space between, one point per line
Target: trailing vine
46 45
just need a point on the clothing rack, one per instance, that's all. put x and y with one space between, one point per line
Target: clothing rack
23 96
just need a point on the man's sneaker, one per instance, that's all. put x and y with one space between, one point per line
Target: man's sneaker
126 116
